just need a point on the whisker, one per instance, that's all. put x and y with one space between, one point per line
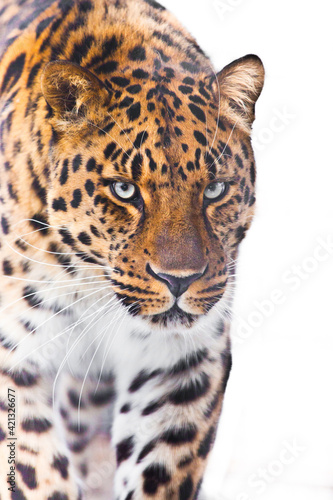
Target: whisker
43 249
50 298
68 352
115 121
103 333
121 313
225 147
143 135
56 314
206 132
75 266
45 228
219 108
69 327
47 263
114 140
93 314
28 280
72 264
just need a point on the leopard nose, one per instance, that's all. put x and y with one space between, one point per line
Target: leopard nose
177 285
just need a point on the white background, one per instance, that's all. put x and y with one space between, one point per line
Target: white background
280 392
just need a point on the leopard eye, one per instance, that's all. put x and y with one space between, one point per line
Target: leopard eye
215 191
124 190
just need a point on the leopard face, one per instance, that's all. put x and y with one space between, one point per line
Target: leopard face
160 192
153 175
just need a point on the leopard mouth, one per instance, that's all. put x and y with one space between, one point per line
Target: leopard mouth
173 317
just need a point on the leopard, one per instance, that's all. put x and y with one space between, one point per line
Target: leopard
127 183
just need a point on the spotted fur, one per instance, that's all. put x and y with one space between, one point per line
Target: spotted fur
129 296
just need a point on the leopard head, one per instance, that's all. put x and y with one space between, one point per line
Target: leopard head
153 178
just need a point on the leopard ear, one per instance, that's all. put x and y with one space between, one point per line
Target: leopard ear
241 83
73 92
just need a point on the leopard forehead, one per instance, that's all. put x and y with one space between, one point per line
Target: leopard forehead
168 143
